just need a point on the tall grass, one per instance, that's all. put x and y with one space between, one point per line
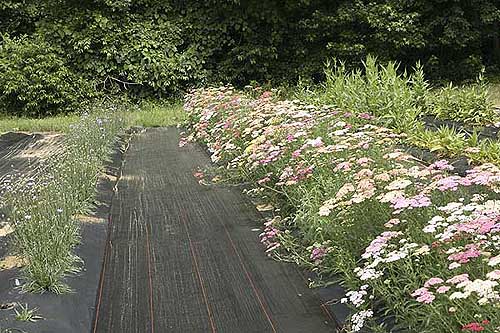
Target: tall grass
157 114
49 124
42 209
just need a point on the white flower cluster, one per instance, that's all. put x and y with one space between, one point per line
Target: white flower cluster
470 219
358 319
367 273
356 297
383 255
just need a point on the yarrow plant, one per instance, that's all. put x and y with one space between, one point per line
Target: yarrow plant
416 240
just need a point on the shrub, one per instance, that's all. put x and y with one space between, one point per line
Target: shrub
283 40
166 44
142 51
149 47
35 80
20 17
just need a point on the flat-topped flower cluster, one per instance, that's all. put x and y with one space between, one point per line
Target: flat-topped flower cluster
418 240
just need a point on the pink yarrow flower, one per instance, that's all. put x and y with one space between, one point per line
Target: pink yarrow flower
458 279
318 253
364 160
365 116
463 257
433 281
423 295
441 165
443 289
296 153
346 166
318 142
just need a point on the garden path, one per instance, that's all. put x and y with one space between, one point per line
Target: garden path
181 257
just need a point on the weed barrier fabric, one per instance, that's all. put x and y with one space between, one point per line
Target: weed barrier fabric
484 132
460 164
182 257
73 312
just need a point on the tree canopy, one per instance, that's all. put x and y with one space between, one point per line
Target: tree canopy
156 47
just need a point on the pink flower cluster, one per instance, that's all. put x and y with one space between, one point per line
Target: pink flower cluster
270 236
423 295
379 243
475 326
471 251
414 202
318 252
291 176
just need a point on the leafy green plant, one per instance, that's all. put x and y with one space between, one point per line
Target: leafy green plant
486 151
468 104
377 90
35 80
449 142
24 313
445 140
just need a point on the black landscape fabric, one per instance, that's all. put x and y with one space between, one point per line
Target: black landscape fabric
182 257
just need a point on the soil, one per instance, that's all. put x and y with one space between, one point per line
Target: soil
5 229
10 262
87 219
461 164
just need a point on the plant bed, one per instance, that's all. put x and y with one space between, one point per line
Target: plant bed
21 155
71 312
451 120
417 240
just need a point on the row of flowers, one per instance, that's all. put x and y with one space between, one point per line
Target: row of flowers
43 200
417 240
